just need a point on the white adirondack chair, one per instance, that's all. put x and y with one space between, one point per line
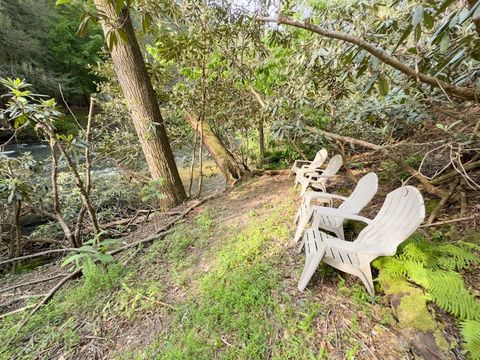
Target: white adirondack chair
401 214
362 194
303 167
319 180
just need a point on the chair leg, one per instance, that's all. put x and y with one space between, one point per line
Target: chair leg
366 277
300 247
304 187
315 250
297 215
300 227
339 232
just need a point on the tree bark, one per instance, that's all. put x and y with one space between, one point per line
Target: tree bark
261 143
141 100
382 55
223 158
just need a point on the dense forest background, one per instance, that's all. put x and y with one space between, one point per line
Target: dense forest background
40 44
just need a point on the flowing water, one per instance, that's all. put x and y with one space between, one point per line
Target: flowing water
212 177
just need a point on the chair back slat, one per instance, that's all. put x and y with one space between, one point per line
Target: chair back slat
319 159
401 214
364 192
333 166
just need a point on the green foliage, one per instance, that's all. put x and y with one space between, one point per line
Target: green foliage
434 266
92 250
40 43
151 192
470 330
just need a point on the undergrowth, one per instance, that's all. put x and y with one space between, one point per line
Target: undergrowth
57 321
237 310
434 265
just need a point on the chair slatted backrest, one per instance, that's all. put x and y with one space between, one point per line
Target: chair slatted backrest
333 166
401 214
364 192
319 159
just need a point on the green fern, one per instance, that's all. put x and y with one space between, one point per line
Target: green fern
433 265
470 330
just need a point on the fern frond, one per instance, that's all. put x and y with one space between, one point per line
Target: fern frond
448 291
453 257
470 330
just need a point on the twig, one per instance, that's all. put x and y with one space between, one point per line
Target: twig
18 298
449 221
17 310
159 302
68 108
443 201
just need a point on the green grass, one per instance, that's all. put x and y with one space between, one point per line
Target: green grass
238 309
56 322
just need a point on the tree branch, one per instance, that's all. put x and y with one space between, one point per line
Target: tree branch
461 92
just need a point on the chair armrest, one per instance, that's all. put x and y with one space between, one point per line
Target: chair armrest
315 195
317 177
300 163
340 213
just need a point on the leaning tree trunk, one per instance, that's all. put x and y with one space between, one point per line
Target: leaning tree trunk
223 158
142 102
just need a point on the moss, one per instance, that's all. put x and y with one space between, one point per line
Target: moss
430 204
412 309
396 285
442 342
413 313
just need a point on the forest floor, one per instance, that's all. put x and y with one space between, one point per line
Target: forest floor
222 284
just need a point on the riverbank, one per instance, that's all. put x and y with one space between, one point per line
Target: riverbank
222 284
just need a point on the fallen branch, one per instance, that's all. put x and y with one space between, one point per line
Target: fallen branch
31 283
347 139
31 256
17 310
164 230
160 233
44 301
443 201
453 173
18 298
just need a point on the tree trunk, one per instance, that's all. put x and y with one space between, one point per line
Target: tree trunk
261 144
223 158
141 100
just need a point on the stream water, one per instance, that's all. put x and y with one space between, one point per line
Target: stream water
212 177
